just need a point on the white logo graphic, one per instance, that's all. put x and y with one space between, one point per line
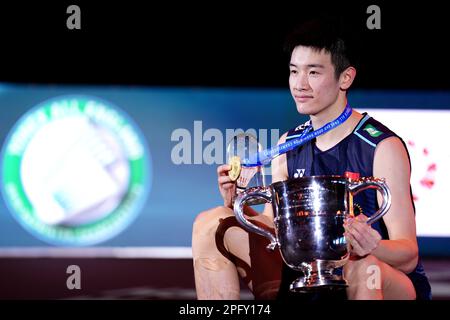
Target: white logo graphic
300 173
75 171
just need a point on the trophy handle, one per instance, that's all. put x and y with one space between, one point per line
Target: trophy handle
253 196
373 183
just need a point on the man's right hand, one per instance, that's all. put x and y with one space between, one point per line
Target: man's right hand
227 187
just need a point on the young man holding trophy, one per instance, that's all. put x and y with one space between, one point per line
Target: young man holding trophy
321 224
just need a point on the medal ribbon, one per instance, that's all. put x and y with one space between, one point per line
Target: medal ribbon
265 157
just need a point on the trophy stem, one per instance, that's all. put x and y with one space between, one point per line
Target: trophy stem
318 279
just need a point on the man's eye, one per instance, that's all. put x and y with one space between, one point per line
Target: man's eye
312 72
294 71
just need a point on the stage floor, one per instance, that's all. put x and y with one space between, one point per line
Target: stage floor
112 278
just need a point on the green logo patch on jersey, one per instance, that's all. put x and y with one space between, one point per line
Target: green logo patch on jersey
373 131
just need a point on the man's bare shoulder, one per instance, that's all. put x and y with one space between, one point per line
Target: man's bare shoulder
391 147
391 159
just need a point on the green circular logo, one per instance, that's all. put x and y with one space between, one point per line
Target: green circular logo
75 171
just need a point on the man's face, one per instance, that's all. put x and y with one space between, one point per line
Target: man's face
312 80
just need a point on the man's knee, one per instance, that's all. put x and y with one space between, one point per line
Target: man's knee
211 216
208 238
362 267
207 222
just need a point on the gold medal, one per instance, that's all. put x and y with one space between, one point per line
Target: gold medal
235 171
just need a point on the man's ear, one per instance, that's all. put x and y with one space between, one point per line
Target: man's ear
346 78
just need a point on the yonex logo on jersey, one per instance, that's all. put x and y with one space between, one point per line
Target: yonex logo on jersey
300 173
372 131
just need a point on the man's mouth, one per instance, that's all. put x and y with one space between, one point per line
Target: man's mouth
302 98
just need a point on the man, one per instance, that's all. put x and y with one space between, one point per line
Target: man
320 75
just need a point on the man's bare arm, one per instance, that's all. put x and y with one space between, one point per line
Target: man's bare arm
391 162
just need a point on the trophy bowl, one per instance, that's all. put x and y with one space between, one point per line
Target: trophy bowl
309 216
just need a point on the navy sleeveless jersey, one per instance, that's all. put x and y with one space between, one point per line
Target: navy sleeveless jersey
355 153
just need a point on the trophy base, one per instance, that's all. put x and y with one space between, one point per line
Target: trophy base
318 282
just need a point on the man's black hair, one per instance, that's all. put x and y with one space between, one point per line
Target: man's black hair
326 34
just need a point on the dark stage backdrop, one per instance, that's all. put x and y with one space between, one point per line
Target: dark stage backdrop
224 43
158 88
111 166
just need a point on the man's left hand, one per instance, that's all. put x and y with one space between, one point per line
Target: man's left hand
363 239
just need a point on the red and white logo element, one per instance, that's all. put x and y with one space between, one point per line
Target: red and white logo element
425 133
424 172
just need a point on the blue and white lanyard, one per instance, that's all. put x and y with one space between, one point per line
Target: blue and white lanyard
265 157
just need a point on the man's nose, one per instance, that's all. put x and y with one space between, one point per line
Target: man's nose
301 83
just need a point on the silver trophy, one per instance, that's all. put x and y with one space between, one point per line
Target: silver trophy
309 215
